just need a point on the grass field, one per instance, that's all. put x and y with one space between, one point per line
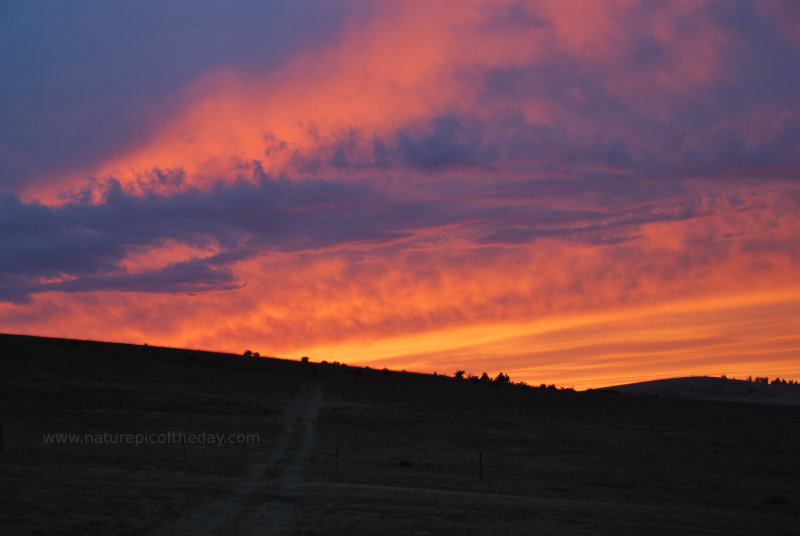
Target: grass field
325 449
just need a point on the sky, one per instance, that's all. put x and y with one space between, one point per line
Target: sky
572 192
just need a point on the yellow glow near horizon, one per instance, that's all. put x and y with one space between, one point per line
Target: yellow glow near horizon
669 339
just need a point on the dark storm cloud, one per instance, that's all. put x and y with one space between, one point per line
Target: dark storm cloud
85 78
450 141
508 140
88 78
594 228
184 277
81 245
710 127
729 147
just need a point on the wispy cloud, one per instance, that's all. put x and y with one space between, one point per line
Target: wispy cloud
345 175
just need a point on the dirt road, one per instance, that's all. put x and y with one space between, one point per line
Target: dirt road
266 502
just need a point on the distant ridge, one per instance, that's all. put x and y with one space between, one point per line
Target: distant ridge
708 388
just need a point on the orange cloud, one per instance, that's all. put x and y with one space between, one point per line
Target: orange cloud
704 336
407 62
522 199
713 292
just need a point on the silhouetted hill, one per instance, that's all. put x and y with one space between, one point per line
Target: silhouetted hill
722 389
101 438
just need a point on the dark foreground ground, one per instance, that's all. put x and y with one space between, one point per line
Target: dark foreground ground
354 451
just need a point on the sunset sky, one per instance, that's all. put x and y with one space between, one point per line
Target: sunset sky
573 192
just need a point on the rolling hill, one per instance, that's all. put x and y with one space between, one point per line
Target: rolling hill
101 438
722 389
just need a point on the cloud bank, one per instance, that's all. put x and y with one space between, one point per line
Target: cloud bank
405 176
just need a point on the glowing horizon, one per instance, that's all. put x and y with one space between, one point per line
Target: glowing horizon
568 192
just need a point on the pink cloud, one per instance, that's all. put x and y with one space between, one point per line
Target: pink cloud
449 175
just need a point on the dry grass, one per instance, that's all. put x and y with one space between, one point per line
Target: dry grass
408 448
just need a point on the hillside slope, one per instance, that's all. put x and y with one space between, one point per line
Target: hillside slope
722 389
330 449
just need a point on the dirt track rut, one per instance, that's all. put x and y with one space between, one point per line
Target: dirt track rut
266 502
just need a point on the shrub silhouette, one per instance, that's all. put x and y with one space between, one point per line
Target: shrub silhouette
459 375
304 359
502 378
